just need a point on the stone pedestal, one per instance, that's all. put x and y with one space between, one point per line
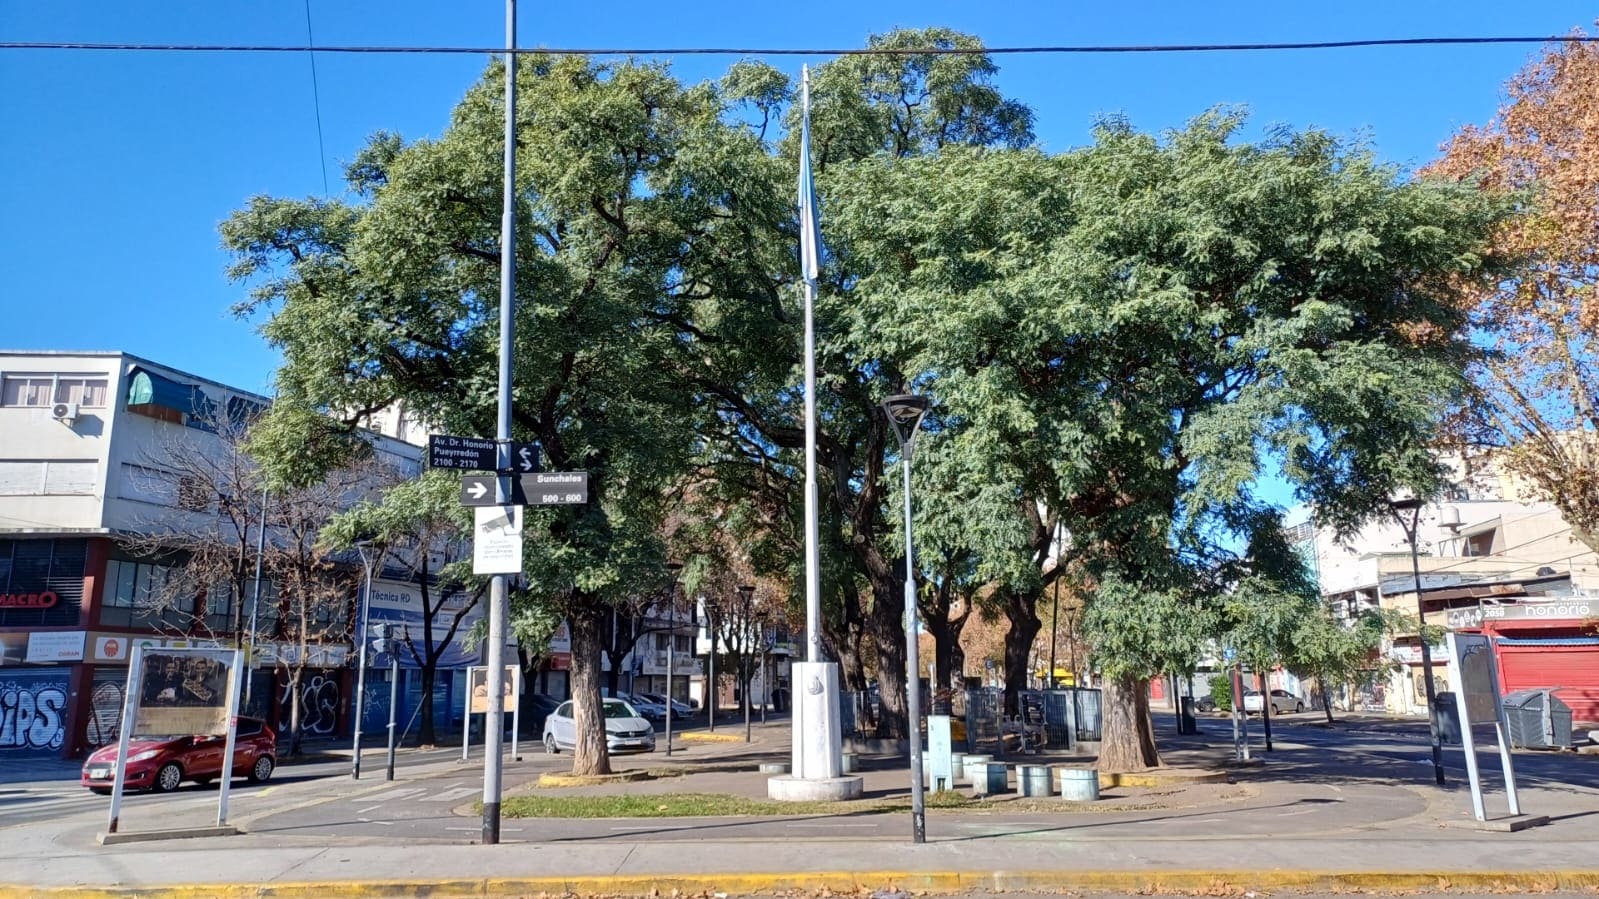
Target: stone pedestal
818 739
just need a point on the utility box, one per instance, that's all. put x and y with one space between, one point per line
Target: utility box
1538 719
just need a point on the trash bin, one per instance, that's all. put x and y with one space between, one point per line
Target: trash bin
1034 780
1446 719
1081 784
971 765
1186 722
1538 719
988 778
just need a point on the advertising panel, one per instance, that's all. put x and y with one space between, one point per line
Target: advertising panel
477 688
182 691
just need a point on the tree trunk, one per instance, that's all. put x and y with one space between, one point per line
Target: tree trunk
590 755
888 628
296 734
1128 740
1022 611
429 675
1326 700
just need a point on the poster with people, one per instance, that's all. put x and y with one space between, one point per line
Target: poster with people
477 688
183 691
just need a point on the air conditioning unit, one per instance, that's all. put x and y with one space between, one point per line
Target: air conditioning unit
67 412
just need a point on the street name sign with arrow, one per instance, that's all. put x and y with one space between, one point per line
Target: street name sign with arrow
479 454
548 488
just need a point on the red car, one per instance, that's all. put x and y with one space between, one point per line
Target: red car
161 763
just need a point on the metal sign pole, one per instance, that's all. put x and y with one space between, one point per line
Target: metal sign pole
671 639
235 685
1462 706
499 590
1502 729
394 697
130 705
516 713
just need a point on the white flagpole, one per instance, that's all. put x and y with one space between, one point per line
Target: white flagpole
810 264
818 757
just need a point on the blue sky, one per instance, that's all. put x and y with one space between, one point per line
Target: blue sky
115 169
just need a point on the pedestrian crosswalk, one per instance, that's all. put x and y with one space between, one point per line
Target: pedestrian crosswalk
449 793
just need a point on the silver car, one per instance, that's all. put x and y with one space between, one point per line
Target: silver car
625 729
1282 702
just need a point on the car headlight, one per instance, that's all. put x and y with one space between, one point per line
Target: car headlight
144 756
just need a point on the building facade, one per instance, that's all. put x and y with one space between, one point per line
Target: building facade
1489 561
83 473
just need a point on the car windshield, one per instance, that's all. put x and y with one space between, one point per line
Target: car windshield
616 708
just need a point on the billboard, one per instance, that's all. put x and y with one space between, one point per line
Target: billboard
477 689
183 691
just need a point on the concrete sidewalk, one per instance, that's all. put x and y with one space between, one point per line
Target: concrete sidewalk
1306 818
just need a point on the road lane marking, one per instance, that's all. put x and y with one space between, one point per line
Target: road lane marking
391 795
452 795
362 811
830 826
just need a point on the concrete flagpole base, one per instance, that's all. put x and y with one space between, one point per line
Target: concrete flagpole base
818 740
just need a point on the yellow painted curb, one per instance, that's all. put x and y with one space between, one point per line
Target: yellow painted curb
1207 882
698 737
1162 779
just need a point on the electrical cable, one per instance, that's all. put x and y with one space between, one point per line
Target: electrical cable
813 51
316 98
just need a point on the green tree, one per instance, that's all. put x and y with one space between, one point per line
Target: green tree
1137 326
630 200
1344 654
413 520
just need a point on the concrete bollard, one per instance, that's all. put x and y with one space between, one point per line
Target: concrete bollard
989 778
957 764
1034 780
968 770
774 767
852 762
1080 784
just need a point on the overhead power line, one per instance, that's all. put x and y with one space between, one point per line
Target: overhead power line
316 100
810 51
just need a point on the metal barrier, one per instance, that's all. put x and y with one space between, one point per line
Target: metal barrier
985 710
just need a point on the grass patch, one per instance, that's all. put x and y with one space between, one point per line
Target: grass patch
665 805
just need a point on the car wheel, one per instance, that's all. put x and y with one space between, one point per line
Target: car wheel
262 770
1299 707
549 745
168 778
100 791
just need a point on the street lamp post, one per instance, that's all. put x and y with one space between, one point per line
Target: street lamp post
1414 505
766 683
671 644
905 413
360 637
746 594
710 679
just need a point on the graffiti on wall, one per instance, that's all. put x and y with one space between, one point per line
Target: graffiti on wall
319 704
33 714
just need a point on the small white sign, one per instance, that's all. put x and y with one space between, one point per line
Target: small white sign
56 646
111 649
497 540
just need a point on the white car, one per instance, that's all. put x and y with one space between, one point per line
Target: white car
625 729
644 705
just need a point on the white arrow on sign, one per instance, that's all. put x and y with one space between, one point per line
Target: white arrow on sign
477 489
527 458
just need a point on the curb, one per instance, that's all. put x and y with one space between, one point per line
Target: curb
1204 882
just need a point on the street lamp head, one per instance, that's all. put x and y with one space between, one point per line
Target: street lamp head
745 591
1406 504
905 412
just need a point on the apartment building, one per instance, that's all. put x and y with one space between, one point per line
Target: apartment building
82 475
1489 561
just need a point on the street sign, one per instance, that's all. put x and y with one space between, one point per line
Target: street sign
524 457
469 453
478 490
547 488
479 454
497 540
555 488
